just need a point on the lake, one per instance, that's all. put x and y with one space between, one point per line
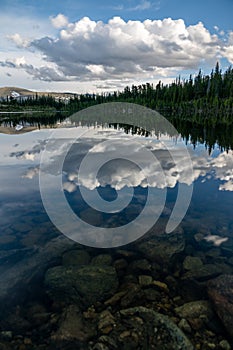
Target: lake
114 223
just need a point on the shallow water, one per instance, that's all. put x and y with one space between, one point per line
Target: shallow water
28 224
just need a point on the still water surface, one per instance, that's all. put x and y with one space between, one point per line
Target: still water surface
212 177
26 227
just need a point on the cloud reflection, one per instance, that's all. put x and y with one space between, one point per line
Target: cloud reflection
123 173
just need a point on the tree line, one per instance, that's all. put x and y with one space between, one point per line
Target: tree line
199 98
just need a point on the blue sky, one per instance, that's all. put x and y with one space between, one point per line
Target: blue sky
102 46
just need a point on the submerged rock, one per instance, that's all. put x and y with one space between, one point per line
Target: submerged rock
7 239
198 313
19 279
72 326
106 322
134 295
184 325
195 309
224 345
145 280
102 260
203 272
220 291
192 263
162 247
84 285
150 328
76 257
140 265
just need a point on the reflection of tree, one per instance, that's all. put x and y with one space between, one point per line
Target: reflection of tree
32 119
220 134
130 129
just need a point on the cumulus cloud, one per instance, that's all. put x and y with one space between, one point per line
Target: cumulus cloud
227 49
69 187
18 40
223 166
43 73
93 50
29 154
122 173
59 21
31 173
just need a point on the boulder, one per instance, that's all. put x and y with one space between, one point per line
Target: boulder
162 247
153 329
25 267
198 313
220 291
76 257
85 285
192 263
102 260
72 326
140 265
203 272
195 309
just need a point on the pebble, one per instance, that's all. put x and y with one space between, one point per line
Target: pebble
115 298
102 260
145 280
184 325
6 335
224 345
106 322
21 227
192 263
27 341
107 341
120 264
161 285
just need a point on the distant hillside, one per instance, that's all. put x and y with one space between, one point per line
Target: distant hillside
7 90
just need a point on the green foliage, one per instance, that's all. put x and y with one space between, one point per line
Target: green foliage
196 98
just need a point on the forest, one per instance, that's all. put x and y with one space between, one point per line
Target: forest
202 98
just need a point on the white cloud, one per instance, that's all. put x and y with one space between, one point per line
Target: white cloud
227 186
144 5
69 187
93 50
31 173
44 72
227 50
228 53
123 173
118 7
59 21
114 52
18 40
223 166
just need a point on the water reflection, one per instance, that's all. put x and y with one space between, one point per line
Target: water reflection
29 121
211 136
20 158
211 156
30 244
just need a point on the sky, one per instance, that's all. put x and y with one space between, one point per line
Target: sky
89 46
